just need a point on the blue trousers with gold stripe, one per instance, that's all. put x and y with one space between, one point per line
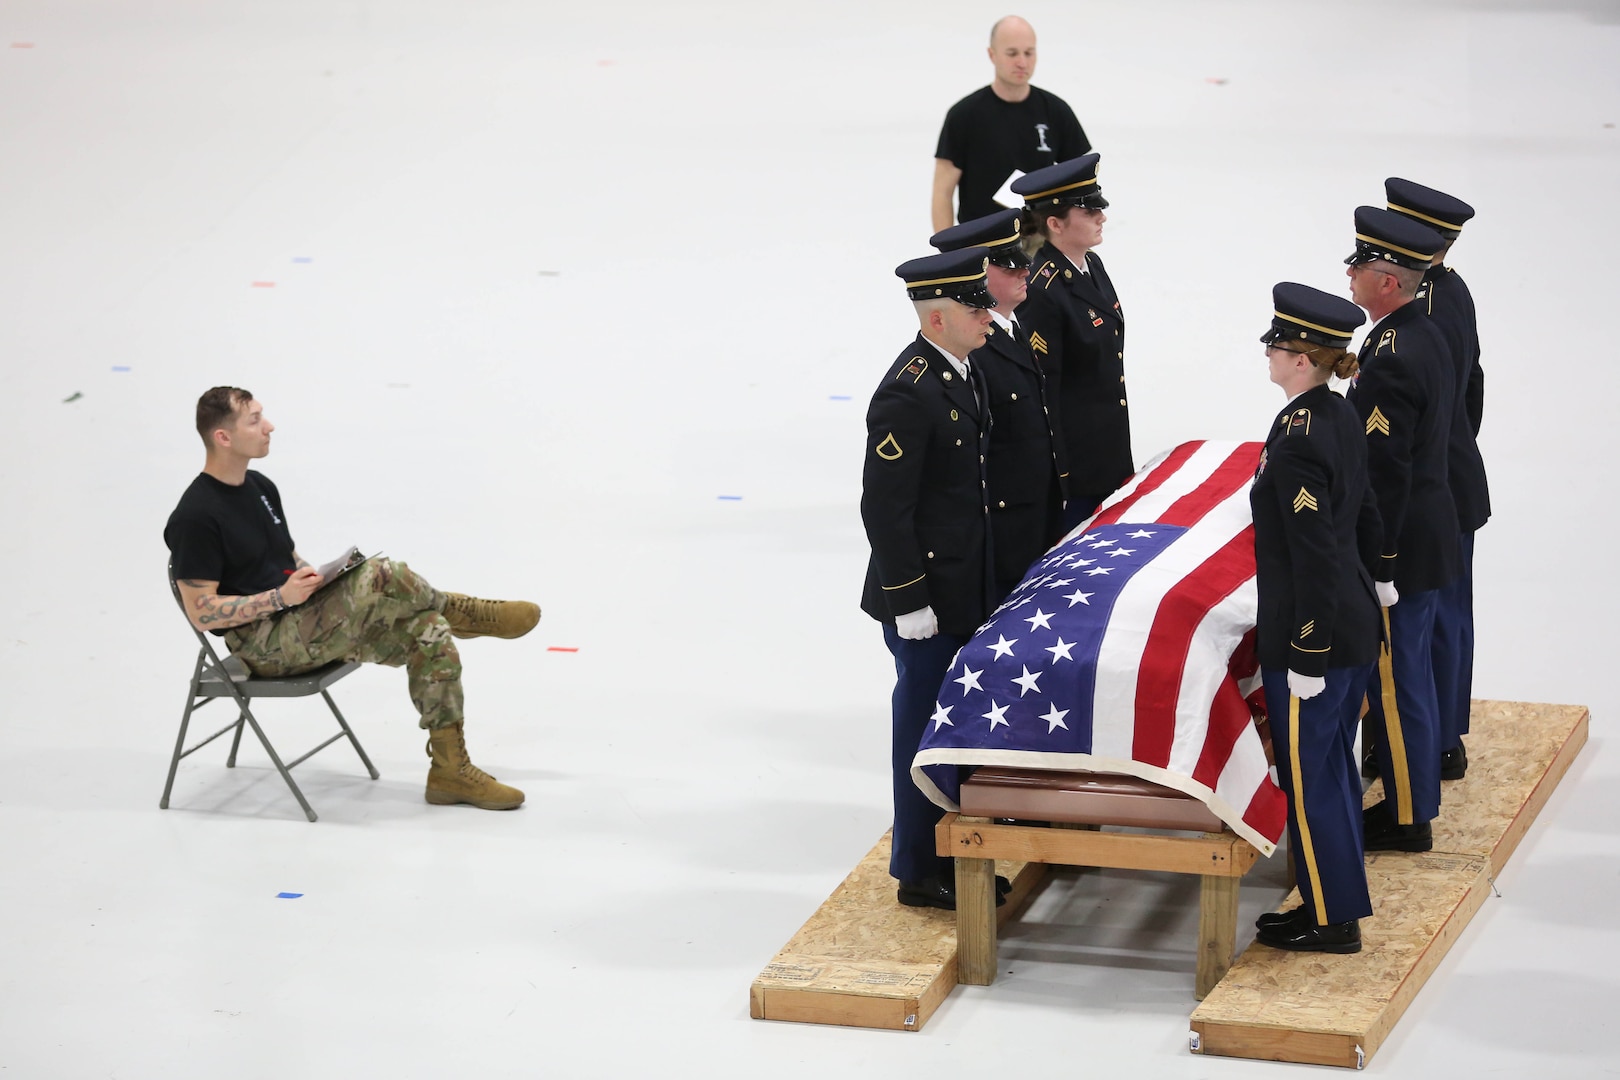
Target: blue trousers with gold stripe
1403 713
1314 744
919 667
1454 650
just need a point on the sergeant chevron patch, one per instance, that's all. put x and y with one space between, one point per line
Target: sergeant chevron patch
888 449
1304 501
1378 422
1037 342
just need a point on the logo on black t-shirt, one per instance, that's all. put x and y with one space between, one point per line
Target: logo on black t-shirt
1040 129
266 500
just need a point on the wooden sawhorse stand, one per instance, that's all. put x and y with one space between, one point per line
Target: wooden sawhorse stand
1079 803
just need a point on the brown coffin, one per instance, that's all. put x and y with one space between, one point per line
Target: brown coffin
1086 797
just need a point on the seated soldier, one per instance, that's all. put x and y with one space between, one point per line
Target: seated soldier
240 578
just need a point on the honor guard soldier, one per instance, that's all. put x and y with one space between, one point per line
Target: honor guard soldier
1447 300
1404 394
924 505
1026 498
1076 327
1315 525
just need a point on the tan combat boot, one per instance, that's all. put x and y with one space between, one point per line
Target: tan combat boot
454 779
470 617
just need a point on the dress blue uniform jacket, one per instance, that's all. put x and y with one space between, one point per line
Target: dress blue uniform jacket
1025 492
924 500
1405 395
1446 298
1315 524
1076 327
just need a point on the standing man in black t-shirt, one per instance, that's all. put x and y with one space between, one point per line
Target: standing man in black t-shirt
232 556
1006 127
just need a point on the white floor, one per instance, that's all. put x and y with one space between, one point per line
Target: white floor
549 283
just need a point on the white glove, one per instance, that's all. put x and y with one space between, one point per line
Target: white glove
1387 596
1305 686
916 625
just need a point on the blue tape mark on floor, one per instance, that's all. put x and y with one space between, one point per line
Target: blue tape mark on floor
119 367
302 259
288 895
838 397
729 498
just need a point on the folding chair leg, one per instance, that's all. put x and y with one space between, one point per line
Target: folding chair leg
179 750
344 724
236 740
275 759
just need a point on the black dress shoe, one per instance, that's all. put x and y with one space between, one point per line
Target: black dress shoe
1003 887
934 893
1381 833
1454 763
1306 936
1282 918
1369 765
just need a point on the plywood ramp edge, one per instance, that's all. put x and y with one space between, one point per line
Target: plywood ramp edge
863 960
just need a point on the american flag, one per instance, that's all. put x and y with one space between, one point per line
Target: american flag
1116 652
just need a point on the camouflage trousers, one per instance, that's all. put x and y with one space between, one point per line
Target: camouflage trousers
378 613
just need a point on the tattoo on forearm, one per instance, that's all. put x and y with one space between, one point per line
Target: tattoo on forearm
222 612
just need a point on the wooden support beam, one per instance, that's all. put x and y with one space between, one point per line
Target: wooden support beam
1222 854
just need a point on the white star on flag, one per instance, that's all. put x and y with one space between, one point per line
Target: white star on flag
997 715
969 679
1060 651
1103 544
1028 681
1123 551
1054 719
1078 597
1099 570
1088 536
1040 620
942 715
1060 582
1082 562
1140 534
1003 647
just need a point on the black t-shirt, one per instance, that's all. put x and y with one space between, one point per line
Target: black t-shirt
988 138
235 535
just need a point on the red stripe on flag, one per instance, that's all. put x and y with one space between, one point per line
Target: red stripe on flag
1268 810
1231 474
1164 657
1229 716
1150 483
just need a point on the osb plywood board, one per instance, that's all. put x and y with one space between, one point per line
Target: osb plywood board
1517 753
864 960
1337 1010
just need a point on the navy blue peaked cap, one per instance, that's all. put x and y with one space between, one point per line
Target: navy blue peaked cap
1068 183
952 275
1301 313
1384 234
1000 232
1443 213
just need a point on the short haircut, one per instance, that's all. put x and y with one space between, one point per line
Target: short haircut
217 408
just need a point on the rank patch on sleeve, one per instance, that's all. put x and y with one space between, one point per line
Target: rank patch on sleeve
1378 422
888 449
1304 501
1306 630
1037 342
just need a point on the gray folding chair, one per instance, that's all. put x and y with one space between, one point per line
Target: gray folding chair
213 679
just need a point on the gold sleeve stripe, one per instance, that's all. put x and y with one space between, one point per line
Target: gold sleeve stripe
907 585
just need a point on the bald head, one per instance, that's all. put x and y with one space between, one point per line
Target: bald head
1012 24
1012 51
